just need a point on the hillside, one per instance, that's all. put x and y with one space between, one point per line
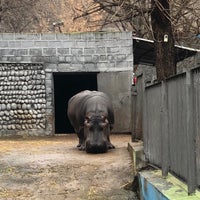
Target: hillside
45 16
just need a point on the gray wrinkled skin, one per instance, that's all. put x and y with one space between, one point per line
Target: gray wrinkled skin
91 115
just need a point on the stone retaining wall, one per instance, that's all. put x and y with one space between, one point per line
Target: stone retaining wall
22 97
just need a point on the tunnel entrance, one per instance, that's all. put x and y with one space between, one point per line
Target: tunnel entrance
65 86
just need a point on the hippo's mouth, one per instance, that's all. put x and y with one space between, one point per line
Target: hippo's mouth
96 148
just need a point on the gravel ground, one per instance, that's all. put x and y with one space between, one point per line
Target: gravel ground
52 168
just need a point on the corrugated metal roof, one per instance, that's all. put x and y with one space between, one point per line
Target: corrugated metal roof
143 51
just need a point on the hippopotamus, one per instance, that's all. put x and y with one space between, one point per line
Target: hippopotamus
91 114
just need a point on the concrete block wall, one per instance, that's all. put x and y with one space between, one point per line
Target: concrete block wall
76 52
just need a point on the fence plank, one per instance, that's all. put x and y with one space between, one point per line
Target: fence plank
190 136
196 84
133 112
145 121
165 129
177 125
139 104
152 119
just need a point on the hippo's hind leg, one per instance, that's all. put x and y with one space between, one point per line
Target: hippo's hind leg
81 145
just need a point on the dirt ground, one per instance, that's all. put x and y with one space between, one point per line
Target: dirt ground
52 168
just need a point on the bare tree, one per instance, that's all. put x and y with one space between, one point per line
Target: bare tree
163 39
164 21
176 20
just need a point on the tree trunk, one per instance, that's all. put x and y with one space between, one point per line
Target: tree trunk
163 39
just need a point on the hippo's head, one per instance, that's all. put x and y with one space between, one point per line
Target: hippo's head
96 132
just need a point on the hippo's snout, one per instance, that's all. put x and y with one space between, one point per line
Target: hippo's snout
91 147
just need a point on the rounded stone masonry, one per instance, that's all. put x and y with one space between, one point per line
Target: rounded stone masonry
22 96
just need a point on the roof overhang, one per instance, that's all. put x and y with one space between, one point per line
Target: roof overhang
143 51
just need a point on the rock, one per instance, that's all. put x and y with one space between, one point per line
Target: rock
12 113
24 87
13 127
20 111
18 126
24 106
3 107
8 106
39 116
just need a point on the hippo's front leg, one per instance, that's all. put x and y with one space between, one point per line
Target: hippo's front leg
109 144
81 145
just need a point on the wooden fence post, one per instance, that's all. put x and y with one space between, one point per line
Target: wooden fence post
133 112
145 121
191 155
165 129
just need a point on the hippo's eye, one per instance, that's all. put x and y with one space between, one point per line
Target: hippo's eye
87 122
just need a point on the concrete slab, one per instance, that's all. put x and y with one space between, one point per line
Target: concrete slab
136 150
154 187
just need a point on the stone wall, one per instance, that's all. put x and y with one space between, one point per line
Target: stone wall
28 62
22 97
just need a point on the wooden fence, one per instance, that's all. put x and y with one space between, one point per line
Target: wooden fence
171 126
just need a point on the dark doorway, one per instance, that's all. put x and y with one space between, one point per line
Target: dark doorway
65 86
